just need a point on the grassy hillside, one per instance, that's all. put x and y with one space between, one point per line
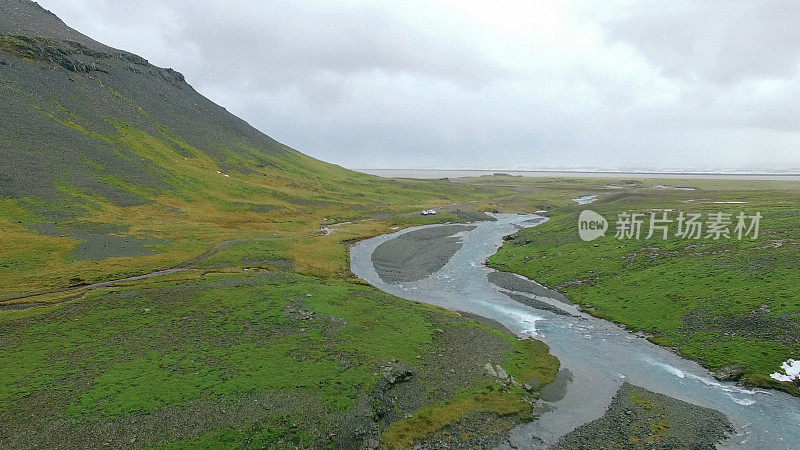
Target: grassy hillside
252 331
723 302
113 167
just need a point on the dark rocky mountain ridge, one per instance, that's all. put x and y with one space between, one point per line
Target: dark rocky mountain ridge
72 107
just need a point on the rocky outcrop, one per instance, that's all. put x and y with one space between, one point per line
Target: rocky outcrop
501 373
498 372
730 373
76 57
397 373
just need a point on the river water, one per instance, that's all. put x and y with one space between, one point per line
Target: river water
600 355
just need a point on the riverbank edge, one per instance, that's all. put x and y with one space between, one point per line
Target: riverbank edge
776 386
506 422
640 417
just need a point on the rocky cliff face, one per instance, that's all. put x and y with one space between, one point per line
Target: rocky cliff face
76 57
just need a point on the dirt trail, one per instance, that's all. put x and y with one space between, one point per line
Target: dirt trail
184 266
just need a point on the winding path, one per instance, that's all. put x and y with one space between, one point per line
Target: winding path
182 267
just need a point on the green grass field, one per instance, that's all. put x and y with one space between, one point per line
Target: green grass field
263 358
722 302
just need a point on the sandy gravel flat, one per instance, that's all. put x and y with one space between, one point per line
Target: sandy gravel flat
415 255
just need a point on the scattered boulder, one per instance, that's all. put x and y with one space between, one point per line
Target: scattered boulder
298 310
298 314
730 373
500 373
397 373
533 384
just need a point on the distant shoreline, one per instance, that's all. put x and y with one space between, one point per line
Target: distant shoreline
458 173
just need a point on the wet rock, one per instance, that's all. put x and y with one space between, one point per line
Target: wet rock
557 389
538 304
730 373
534 384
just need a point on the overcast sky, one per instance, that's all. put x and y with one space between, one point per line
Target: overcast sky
496 84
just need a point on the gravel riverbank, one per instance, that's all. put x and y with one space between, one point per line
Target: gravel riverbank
638 418
415 255
514 282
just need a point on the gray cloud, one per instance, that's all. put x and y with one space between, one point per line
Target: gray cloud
720 41
607 84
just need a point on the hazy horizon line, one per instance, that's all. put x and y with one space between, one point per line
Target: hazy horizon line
755 172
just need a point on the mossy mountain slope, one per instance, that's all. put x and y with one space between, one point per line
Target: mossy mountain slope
68 98
112 166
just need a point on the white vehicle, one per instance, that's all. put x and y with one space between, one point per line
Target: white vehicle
428 212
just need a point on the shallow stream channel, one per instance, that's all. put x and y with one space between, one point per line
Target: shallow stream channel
596 356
